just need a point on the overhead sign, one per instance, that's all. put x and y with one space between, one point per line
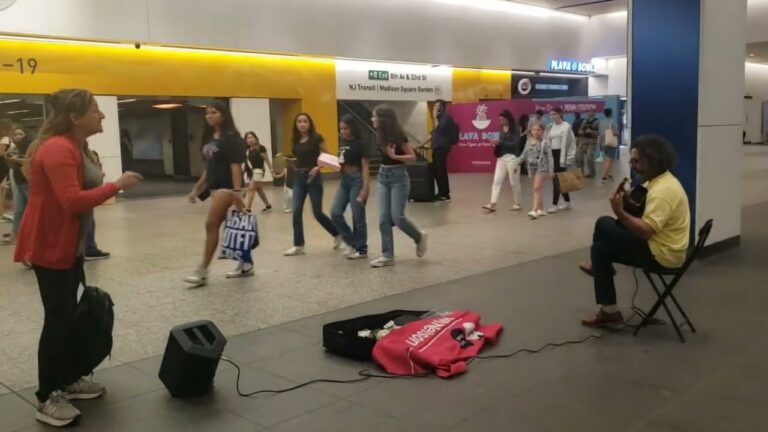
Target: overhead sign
571 66
357 80
534 86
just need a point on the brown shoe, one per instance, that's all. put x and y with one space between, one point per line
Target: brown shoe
603 319
586 268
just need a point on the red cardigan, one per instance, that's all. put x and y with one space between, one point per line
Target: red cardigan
50 228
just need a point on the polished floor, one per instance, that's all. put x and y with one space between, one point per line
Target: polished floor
511 270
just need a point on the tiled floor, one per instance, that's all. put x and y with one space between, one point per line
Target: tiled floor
511 270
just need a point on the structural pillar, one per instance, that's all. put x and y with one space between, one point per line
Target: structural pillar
686 84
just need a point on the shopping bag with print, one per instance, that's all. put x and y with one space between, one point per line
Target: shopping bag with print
241 236
571 181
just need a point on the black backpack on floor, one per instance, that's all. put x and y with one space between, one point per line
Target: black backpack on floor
94 321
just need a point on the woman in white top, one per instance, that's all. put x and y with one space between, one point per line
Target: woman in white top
563 143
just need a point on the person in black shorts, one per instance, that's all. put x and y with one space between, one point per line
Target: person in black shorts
224 154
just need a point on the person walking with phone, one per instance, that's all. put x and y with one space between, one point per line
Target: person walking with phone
224 153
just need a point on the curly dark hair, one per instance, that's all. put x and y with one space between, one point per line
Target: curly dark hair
510 118
353 125
657 152
389 130
312 132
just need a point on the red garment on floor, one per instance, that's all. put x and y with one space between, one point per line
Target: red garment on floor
440 343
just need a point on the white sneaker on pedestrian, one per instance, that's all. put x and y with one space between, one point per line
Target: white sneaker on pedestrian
296 250
382 262
286 211
516 207
84 389
242 270
564 206
338 241
532 214
198 278
357 255
552 210
57 411
540 213
346 249
421 246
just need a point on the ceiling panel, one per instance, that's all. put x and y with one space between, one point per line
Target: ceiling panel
584 7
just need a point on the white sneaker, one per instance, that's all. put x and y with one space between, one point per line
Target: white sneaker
346 249
540 213
382 262
516 207
421 247
198 278
57 411
564 206
338 242
84 389
357 255
296 250
286 211
242 270
532 214
552 210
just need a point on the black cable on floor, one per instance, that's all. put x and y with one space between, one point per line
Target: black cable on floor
364 374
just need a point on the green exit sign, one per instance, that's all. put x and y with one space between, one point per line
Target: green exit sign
378 75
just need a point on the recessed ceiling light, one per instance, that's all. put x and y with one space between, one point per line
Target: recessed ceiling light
751 55
167 106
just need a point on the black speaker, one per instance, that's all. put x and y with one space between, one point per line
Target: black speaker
191 358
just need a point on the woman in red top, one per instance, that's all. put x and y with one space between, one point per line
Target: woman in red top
52 239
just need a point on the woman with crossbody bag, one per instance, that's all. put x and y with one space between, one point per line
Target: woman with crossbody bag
610 144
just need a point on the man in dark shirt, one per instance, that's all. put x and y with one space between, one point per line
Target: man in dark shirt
586 139
443 138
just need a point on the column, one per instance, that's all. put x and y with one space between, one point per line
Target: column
687 84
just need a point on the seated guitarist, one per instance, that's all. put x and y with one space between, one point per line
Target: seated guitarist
655 236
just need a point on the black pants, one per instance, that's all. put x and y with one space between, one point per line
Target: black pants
556 181
612 243
56 364
440 162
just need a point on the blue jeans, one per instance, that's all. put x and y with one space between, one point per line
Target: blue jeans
20 199
90 238
315 191
394 187
351 185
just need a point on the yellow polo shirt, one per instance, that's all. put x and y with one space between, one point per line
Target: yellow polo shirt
667 212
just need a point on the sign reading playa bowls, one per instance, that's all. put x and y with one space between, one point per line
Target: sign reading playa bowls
480 127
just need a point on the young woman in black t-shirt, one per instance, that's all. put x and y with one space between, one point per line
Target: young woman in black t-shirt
307 145
354 156
255 159
224 154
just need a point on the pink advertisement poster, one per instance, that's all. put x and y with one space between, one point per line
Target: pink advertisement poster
480 126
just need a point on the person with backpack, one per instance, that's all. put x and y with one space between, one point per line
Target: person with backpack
65 185
445 135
